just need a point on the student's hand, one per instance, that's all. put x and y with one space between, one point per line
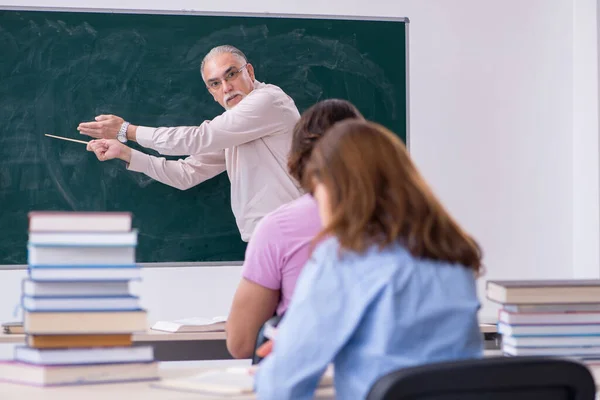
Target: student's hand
265 349
109 149
105 127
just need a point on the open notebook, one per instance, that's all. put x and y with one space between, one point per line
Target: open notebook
228 382
196 324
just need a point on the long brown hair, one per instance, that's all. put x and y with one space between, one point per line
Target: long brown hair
311 126
378 196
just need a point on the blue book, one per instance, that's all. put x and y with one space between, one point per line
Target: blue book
83 273
80 255
549 330
56 304
74 289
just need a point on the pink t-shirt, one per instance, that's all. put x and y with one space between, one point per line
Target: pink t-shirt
280 246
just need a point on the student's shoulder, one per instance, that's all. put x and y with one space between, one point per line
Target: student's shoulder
327 251
267 227
270 224
296 209
303 203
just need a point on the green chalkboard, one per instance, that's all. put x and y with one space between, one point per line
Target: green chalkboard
60 68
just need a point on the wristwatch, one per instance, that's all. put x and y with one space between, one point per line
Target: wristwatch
122 135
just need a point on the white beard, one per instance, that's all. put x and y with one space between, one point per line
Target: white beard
229 96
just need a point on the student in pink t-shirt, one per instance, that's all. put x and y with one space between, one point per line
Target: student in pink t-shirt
280 244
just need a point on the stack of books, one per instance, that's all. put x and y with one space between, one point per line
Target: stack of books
79 314
550 318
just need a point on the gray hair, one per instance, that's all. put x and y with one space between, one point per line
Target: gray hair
215 51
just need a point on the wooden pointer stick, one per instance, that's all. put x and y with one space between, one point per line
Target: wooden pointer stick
64 138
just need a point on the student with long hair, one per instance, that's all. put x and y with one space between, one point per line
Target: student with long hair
391 282
279 247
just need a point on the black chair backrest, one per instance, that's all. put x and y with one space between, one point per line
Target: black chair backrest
261 339
494 378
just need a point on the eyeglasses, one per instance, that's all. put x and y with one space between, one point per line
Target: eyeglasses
230 76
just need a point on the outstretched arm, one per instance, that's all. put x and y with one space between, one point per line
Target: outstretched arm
315 328
181 174
258 115
106 126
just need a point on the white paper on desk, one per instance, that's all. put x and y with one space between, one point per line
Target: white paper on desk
223 381
201 320
230 381
194 324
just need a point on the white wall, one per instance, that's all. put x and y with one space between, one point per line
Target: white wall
586 167
165 293
492 129
491 122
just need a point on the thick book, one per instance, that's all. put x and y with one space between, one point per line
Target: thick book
59 375
552 308
99 355
74 221
548 330
196 324
123 303
551 341
70 323
230 381
544 291
75 289
44 255
83 238
551 351
76 274
548 318
75 341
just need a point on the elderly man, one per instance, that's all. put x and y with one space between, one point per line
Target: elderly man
250 141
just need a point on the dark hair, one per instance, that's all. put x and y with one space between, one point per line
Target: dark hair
378 197
312 125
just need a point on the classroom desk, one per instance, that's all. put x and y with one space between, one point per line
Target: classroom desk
142 390
207 345
169 346
118 391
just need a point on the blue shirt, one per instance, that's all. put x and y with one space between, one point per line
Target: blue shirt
369 314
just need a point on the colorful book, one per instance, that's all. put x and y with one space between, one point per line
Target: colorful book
552 308
548 318
62 323
78 274
45 256
58 375
551 341
73 221
548 330
40 289
543 291
83 238
78 341
122 303
550 351
76 356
